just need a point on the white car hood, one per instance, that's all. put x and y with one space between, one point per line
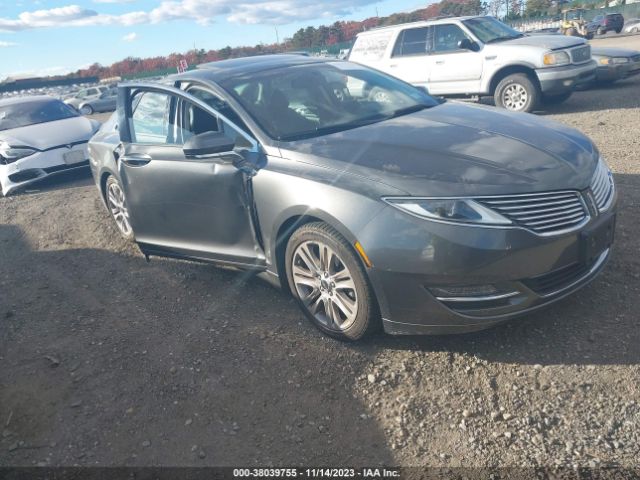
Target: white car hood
550 42
50 134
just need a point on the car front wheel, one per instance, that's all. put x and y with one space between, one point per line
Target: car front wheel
517 92
86 110
329 282
117 204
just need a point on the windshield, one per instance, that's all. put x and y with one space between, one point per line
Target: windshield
33 112
489 30
317 99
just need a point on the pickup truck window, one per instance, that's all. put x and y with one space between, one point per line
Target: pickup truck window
412 41
447 37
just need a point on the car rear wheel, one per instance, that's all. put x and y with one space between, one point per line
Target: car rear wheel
86 110
517 92
329 282
117 204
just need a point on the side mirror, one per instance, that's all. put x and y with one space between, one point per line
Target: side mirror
466 44
208 144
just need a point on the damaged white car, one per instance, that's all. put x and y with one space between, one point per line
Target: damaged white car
40 136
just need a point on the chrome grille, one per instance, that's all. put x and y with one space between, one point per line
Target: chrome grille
602 186
544 213
581 54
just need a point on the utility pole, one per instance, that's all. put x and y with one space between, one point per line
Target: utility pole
277 36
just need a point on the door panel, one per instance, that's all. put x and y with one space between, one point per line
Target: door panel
453 70
186 207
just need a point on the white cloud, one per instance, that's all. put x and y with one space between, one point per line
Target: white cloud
113 1
7 44
271 12
130 37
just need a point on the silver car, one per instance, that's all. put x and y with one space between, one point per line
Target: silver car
395 211
106 102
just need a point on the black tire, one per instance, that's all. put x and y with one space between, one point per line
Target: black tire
589 36
112 183
86 110
618 30
555 99
518 81
366 319
572 32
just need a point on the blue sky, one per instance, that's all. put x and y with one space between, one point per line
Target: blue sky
47 37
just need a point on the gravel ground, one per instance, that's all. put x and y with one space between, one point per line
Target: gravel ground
108 360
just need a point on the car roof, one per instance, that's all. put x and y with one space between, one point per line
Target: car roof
419 23
27 99
224 69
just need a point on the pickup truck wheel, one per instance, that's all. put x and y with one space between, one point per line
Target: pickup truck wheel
517 92
555 99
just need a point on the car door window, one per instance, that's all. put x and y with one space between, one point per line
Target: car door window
412 41
224 108
446 38
150 119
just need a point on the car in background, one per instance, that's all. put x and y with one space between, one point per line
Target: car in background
479 56
395 210
85 95
106 102
40 136
606 23
632 25
615 63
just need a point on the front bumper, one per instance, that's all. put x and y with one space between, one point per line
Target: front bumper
558 80
610 73
412 256
40 165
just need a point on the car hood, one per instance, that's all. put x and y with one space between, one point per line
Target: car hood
456 149
614 52
550 42
51 134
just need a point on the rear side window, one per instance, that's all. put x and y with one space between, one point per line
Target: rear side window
150 120
412 41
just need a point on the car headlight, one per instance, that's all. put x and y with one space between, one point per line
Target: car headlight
602 60
620 60
556 58
11 154
456 210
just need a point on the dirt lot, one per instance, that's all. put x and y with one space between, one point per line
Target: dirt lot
108 360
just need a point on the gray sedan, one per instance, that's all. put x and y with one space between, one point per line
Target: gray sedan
615 63
395 211
106 102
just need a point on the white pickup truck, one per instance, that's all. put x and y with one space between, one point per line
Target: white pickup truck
479 56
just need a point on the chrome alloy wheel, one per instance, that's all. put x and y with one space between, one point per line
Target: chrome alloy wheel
325 285
118 207
515 97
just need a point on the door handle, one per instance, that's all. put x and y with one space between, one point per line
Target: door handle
135 159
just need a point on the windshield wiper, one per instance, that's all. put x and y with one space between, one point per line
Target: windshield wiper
504 38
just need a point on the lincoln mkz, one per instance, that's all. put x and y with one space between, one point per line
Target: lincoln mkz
371 202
